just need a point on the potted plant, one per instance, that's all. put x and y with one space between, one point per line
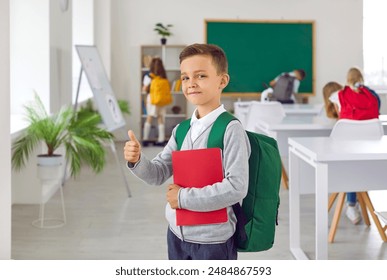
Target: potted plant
79 134
163 31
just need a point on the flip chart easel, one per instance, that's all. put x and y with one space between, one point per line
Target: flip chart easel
105 100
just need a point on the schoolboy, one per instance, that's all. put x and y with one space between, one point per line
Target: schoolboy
204 76
297 75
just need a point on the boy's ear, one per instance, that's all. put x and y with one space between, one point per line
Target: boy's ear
224 81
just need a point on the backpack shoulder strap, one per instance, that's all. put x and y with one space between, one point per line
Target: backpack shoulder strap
215 139
374 94
181 132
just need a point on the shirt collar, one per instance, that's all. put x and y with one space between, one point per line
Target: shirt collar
208 119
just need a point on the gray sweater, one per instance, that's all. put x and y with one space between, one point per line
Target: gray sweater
231 190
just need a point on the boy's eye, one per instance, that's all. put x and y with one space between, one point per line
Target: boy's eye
184 78
201 76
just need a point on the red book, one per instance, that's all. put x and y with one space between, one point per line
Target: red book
197 169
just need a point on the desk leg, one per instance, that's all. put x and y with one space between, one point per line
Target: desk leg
294 207
321 206
285 178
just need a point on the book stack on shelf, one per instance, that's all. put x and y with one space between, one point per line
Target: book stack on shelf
176 85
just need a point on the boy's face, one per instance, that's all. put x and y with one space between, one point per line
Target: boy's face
201 84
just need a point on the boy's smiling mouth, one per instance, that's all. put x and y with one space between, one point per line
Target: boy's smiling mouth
194 93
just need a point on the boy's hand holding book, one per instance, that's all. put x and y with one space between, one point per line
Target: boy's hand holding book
132 149
172 194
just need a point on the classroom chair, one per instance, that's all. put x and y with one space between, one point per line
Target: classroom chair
355 130
383 216
241 109
270 111
265 111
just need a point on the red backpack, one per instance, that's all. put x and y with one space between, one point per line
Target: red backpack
361 105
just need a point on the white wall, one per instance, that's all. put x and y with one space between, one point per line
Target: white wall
338 27
5 138
83 34
102 32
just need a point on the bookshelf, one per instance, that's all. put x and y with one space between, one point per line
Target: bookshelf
170 56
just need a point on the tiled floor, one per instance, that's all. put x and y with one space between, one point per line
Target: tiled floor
104 223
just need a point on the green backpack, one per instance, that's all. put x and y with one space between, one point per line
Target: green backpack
257 217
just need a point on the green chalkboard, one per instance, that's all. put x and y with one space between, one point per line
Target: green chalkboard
258 51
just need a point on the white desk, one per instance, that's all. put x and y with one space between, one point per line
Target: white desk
321 165
293 126
241 108
302 109
383 119
299 126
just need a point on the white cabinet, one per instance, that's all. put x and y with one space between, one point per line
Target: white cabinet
177 111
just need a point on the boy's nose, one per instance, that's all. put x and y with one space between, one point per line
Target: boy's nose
192 83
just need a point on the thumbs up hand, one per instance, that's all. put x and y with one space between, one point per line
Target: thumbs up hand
132 149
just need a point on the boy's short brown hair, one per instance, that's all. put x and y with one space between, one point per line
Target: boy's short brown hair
301 73
218 56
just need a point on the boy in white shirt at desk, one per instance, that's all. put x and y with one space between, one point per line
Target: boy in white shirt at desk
284 86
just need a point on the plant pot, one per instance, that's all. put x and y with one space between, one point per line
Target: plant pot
50 168
163 41
50 173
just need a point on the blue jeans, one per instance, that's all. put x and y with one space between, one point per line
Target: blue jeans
182 250
351 198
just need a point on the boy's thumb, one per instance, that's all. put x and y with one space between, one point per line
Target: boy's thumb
132 136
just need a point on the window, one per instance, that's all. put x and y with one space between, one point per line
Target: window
29 57
375 44
30 53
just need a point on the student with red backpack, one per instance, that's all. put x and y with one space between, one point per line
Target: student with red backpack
356 102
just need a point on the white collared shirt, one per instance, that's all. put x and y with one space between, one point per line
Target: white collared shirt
198 126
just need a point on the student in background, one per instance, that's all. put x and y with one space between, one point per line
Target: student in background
286 85
330 107
358 102
328 113
204 75
156 71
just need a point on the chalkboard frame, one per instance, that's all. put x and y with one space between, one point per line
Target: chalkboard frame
309 82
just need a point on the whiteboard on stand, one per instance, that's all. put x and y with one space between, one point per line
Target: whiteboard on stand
105 100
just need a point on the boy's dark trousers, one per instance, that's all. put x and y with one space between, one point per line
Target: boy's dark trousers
182 250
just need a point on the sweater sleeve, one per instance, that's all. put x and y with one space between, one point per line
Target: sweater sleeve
157 170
